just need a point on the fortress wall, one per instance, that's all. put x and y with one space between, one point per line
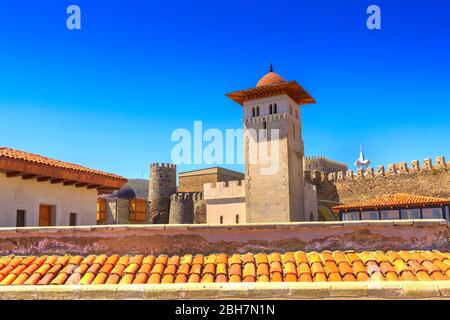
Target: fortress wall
428 180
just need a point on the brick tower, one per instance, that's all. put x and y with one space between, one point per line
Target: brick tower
274 103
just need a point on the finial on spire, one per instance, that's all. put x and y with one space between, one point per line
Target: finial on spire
271 68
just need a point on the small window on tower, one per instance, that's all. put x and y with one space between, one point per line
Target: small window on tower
253 112
275 108
257 111
270 109
265 125
296 114
221 219
237 219
290 109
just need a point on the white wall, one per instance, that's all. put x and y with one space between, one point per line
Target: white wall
310 193
18 194
225 200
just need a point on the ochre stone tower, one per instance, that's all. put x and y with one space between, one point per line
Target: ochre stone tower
273 104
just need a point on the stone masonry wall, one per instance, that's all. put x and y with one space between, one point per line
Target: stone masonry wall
342 187
195 183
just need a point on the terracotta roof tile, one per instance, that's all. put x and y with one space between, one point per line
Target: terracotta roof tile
8 153
391 200
288 267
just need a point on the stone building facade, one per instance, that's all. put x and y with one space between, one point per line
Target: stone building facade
193 181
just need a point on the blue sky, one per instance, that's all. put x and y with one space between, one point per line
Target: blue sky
110 95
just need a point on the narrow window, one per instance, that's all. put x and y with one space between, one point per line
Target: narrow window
237 219
221 219
296 114
290 109
257 111
73 219
265 125
253 112
275 108
270 109
20 218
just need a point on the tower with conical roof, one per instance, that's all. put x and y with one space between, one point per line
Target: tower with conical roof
269 108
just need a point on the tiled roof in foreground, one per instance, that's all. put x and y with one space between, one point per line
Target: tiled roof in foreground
275 267
36 158
391 200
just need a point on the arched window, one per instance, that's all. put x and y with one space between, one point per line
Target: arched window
275 108
270 109
265 125
253 112
257 111
221 219
237 219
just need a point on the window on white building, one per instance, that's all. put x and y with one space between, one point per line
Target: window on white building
370 215
21 218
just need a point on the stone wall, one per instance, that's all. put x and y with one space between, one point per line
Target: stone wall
323 164
162 185
342 187
207 239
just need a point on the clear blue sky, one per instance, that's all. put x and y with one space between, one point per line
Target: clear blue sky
110 95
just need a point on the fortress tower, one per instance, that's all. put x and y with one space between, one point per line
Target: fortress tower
162 185
273 104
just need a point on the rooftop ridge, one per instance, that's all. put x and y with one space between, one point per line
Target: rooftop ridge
10 153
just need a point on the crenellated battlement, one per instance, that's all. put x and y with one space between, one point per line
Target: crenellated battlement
229 189
163 166
381 171
186 197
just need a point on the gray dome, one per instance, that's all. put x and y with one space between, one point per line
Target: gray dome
125 193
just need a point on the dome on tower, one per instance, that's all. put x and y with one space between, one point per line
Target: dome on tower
270 78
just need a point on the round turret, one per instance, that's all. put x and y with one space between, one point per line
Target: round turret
181 209
162 185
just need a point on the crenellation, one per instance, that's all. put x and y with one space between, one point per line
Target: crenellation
391 169
402 167
380 171
440 162
332 176
349 174
369 172
415 166
359 173
427 164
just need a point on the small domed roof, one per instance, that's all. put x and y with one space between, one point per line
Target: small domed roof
270 78
125 193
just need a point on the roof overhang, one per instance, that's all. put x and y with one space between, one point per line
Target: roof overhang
65 176
290 88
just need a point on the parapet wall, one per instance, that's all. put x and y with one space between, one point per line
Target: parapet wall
221 190
341 187
206 239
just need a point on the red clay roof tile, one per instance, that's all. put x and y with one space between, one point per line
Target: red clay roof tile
288 267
